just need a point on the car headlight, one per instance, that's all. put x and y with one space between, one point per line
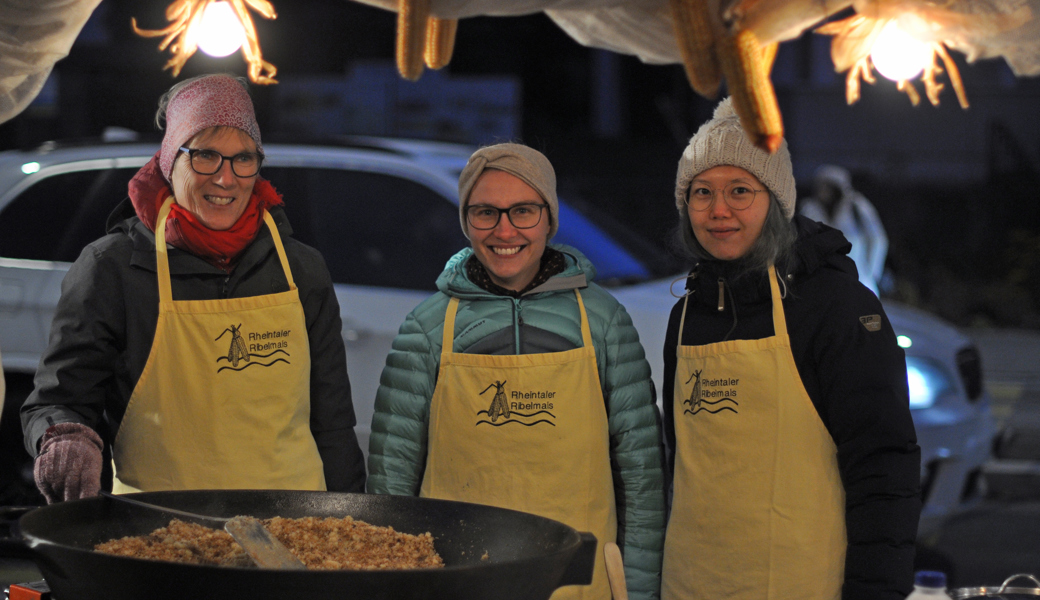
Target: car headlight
926 380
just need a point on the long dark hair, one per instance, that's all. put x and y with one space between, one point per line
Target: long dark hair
773 245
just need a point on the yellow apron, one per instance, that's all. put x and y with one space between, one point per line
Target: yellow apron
758 509
526 432
223 401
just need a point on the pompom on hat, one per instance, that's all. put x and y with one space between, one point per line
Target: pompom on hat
209 101
722 141
521 161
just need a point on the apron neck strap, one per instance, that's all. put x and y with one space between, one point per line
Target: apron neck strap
779 322
448 335
586 331
280 248
682 319
162 259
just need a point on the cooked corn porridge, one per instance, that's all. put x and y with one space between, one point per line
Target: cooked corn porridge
320 543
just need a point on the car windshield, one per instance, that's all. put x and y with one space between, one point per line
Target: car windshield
621 255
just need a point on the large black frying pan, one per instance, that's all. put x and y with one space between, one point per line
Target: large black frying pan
527 557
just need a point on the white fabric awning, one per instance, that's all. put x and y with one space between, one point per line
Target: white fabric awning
35 34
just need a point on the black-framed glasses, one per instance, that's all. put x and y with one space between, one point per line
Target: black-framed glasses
737 196
522 216
208 162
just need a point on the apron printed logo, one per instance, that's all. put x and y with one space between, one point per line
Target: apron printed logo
698 399
239 353
510 411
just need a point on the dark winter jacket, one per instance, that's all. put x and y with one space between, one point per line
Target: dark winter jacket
105 321
545 319
855 378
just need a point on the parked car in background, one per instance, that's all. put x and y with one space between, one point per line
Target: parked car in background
384 213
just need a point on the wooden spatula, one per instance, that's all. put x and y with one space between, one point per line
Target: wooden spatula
265 550
615 571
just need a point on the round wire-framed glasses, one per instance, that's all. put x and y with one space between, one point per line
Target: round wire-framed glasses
207 162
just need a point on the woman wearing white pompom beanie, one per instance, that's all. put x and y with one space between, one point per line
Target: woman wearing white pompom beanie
786 408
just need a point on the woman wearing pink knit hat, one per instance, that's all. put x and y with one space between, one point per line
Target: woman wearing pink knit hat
786 408
197 341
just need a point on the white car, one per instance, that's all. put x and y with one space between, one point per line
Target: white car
384 213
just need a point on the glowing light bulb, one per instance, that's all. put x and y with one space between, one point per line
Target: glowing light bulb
219 32
899 56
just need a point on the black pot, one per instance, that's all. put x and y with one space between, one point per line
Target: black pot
528 557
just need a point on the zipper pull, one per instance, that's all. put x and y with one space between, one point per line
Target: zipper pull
722 294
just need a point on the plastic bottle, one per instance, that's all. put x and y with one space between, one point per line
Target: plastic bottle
929 585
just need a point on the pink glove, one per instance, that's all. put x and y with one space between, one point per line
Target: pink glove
69 464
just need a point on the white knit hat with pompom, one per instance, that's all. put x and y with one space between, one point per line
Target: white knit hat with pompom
722 141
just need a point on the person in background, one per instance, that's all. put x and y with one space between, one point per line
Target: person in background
522 384
834 202
211 358
786 410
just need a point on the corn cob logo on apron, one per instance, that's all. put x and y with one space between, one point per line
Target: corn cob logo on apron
510 407
240 352
700 399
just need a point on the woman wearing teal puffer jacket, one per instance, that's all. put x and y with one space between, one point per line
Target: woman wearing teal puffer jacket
539 397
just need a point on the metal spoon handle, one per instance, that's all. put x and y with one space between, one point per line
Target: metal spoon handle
173 511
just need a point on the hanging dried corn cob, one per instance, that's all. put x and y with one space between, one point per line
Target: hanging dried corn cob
769 55
412 16
694 34
747 78
440 41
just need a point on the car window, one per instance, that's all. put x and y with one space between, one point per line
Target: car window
56 217
373 229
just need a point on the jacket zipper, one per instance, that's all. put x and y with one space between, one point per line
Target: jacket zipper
517 322
722 294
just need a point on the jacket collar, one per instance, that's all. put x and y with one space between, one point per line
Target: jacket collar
124 220
454 281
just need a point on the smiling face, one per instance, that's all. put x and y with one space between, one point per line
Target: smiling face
511 256
725 233
217 200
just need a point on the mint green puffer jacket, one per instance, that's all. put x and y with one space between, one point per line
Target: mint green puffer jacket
397 449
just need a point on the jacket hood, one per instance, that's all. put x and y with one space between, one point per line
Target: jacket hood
453 281
817 247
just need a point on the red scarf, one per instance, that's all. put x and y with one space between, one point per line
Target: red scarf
149 189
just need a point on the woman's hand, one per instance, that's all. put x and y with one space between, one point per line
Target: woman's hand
69 464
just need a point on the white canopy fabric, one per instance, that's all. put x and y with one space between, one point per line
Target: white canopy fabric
35 34
643 28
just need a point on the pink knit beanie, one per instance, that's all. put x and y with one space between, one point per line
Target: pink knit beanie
208 101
